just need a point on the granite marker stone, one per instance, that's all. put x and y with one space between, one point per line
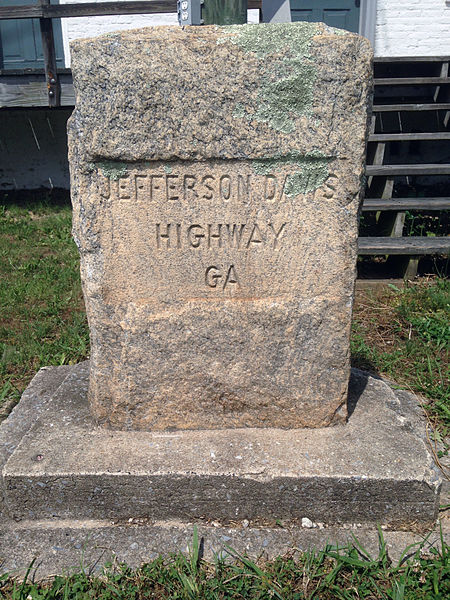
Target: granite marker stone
216 180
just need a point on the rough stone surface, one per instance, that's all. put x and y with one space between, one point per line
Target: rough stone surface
216 177
33 401
77 494
71 545
376 469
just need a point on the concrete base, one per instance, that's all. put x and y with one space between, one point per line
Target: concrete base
69 487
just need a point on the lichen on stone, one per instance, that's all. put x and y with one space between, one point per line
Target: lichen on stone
167 169
239 111
288 72
336 31
113 169
310 170
308 179
271 38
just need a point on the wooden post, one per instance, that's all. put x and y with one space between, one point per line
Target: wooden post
51 73
224 12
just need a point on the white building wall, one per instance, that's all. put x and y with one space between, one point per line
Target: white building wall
403 27
86 27
412 28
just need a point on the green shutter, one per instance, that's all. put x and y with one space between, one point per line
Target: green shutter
20 41
343 14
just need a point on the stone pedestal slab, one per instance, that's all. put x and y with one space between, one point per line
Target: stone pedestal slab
70 545
60 467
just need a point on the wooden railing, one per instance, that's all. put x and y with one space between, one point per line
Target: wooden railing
394 95
45 12
95 9
408 142
88 9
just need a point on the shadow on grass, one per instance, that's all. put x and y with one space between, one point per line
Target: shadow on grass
361 371
359 361
57 198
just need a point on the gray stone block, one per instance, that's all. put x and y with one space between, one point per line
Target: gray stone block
22 417
376 468
75 493
70 545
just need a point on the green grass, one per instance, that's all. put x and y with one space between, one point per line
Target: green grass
332 573
42 319
401 333
404 334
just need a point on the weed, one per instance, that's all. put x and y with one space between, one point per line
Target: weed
402 333
405 335
347 572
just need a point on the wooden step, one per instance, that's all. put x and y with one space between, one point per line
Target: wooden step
411 81
406 204
404 245
411 107
409 137
410 59
392 170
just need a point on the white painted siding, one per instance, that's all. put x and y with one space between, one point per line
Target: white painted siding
412 28
403 27
85 27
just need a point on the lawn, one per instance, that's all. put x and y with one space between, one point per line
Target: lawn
401 332
42 318
332 573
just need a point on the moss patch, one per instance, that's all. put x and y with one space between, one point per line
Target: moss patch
112 169
310 171
239 111
288 72
272 38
